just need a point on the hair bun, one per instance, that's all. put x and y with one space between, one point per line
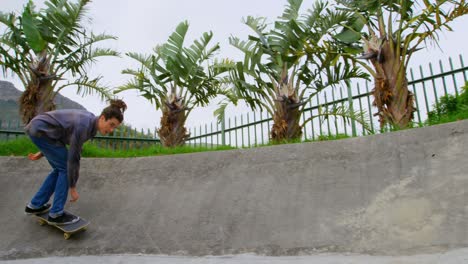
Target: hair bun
118 104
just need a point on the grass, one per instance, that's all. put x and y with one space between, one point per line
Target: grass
90 150
298 141
22 146
17 147
331 137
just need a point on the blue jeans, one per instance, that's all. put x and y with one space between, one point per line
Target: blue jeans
57 181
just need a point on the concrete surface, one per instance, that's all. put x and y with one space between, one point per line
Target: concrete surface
401 193
459 256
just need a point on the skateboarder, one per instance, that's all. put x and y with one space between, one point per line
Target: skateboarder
51 132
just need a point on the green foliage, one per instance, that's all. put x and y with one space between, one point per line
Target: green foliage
176 71
299 141
332 137
18 147
55 37
23 146
31 30
90 150
450 108
388 33
294 58
281 142
408 23
348 115
319 138
351 30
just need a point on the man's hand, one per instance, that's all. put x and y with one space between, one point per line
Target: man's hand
74 195
35 156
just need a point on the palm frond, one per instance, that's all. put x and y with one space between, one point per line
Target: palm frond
220 112
291 11
146 90
132 84
344 112
197 51
102 52
144 60
100 37
243 45
86 86
175 43
30 27
222 66
8 19
63 21
131 72
258 25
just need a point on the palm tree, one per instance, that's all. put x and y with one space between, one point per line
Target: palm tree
283 68
175 79
391 32
42 48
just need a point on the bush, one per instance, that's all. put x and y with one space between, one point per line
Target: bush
450 108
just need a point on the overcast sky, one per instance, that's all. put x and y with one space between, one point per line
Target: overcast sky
142 24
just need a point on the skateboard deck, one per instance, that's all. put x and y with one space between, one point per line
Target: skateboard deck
67 230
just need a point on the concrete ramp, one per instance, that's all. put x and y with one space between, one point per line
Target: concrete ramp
394 194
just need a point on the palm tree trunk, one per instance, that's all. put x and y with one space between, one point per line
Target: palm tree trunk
173 132
37 97
395 103
286 121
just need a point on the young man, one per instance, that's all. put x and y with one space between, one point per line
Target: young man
51 132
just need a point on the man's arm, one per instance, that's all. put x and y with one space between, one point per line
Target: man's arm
35 156
74 195
77 140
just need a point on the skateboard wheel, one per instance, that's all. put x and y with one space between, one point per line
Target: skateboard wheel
66 236
42 222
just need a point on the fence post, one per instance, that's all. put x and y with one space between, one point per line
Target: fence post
463 66
453 77
18 125
9 128
351 108
223 130
360 108
211 132
370 108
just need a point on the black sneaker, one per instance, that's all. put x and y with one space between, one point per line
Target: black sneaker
43 209
64 219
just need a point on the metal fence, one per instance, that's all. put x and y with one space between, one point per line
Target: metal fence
10 129
122 138
251 129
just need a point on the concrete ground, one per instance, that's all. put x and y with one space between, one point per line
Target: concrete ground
398 194
459 256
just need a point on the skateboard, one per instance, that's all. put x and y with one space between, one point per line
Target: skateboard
67 230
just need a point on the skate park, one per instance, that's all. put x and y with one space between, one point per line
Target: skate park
393 195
